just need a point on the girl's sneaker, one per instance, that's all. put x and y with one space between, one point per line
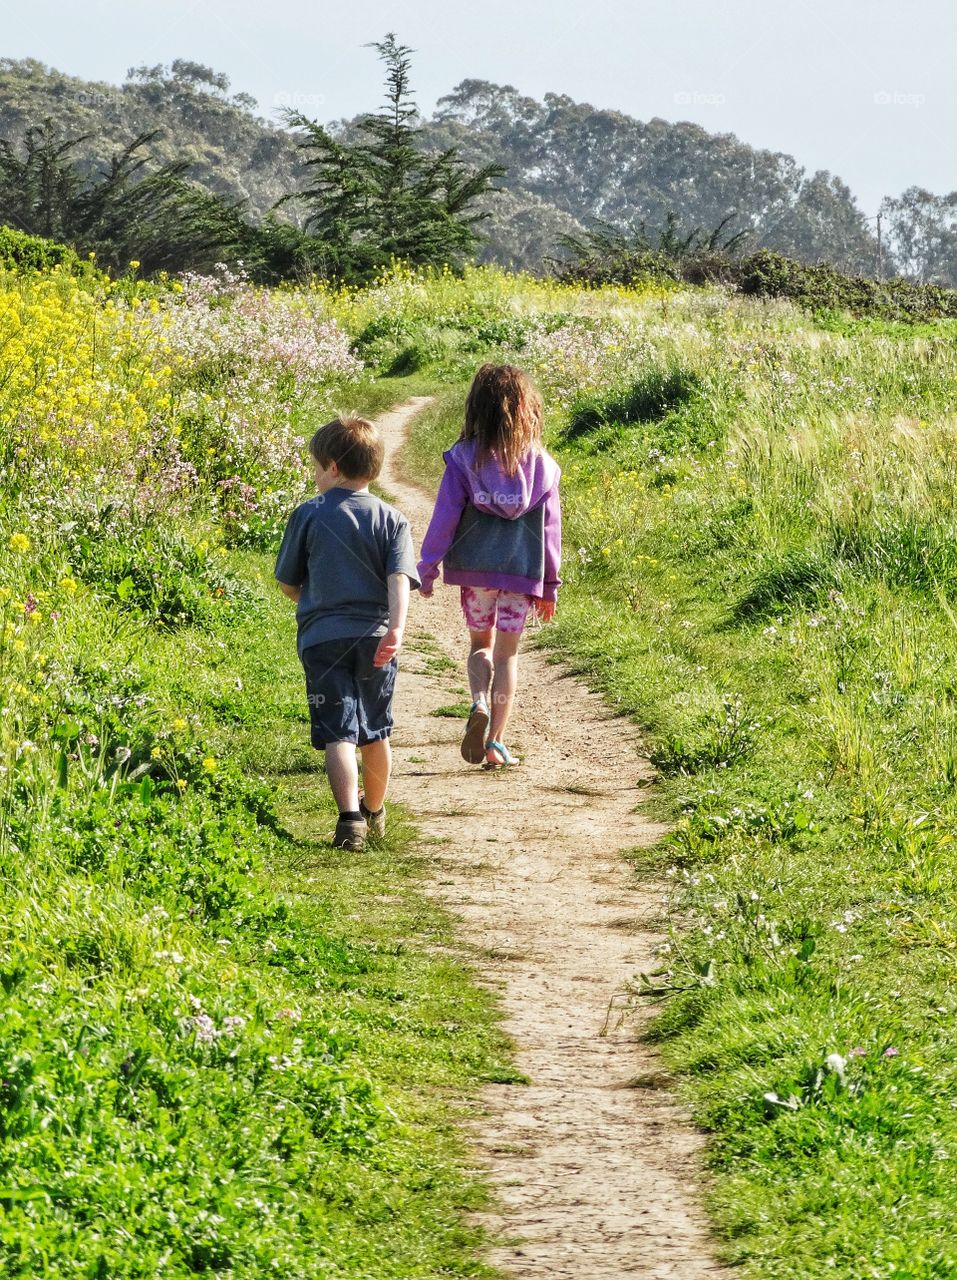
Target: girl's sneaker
374 821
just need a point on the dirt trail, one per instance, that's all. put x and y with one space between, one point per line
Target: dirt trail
598 1178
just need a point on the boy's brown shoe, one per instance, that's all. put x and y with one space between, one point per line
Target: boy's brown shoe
350 834
374 821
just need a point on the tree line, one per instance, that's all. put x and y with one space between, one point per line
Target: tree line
492 176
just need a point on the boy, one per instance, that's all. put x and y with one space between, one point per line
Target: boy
347 560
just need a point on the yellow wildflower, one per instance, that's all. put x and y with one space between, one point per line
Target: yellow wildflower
209 764
19 542
179 724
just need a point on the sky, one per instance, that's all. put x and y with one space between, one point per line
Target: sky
864 90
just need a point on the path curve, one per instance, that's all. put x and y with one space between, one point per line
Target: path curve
598 1179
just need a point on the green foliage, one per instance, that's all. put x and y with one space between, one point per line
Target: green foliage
798 577
383 196
610 255
822 287
153 569
655 397
22 252
125 213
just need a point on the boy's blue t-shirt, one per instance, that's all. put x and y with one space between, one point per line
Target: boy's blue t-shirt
340 548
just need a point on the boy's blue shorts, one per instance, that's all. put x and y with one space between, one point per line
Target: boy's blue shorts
349 699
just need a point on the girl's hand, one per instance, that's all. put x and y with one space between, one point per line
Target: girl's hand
425 593
545 609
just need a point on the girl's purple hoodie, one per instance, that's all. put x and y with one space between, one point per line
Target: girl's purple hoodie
489 489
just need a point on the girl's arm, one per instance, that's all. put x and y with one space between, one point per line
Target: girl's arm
553 545
450 502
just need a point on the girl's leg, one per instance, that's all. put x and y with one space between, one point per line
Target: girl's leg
504 680
479 665
376 769
478 605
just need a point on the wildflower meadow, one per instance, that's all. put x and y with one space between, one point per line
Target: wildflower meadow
203 1033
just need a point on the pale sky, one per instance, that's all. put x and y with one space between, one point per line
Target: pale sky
866 90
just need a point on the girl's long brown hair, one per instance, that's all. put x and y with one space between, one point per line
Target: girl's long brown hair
503 415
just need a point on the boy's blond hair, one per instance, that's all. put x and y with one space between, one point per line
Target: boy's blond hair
352 443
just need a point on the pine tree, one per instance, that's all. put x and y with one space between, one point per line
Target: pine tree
385 196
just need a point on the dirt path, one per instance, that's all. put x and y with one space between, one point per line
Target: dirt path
597 1177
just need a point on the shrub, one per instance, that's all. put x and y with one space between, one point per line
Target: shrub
21 252
671 397
823 287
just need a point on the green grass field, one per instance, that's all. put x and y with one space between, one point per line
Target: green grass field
217 1029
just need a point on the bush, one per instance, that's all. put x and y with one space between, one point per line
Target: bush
822 287
20 252
653 396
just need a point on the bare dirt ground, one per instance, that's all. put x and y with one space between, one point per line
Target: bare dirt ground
596 1167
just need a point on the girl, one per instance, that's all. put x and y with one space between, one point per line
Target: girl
496 528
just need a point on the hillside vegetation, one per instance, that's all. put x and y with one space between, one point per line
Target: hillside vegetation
567 163
208 1028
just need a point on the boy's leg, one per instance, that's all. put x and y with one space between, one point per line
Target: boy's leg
375 687
342 771
376 771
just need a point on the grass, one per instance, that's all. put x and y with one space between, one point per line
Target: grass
772 600
320 1134
261 1052
795 693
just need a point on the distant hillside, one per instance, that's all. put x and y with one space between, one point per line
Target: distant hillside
590 163
568 162
231 150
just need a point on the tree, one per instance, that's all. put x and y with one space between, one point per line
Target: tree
123 212
922 233
382 195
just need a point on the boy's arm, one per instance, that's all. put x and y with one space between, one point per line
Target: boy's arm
292 561
391 642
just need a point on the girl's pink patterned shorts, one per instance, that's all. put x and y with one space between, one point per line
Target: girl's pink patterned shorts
486 607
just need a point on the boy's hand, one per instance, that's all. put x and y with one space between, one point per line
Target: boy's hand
389 646
545 609
425 593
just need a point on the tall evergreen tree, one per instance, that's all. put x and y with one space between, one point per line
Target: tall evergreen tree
385 196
